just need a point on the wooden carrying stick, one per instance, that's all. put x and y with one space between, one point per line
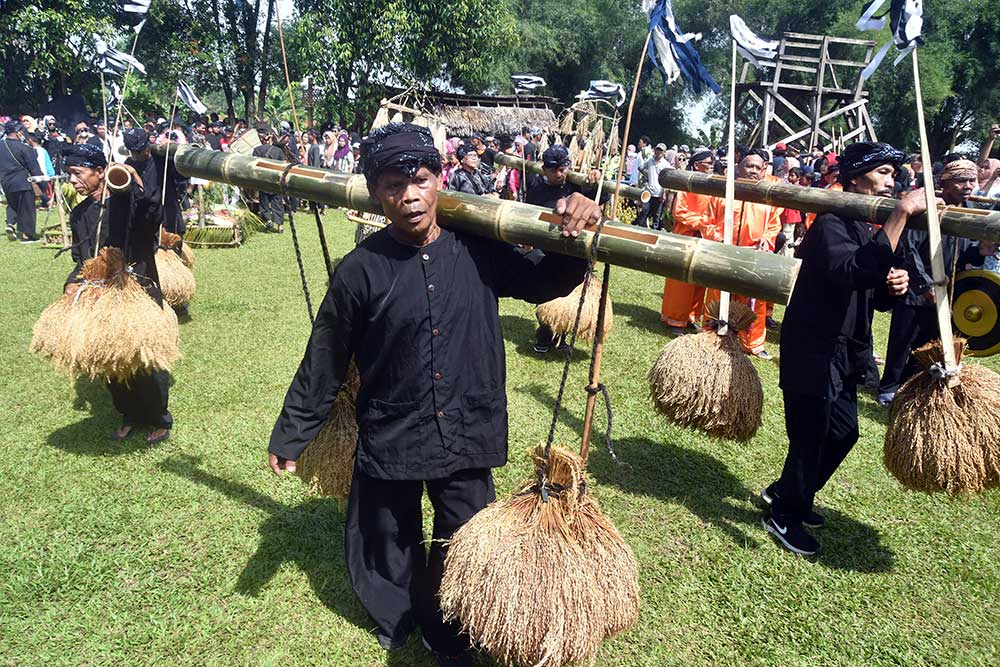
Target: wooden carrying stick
628 123
938 274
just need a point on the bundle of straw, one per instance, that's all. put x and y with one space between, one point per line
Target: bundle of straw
560 314
942 438
176 280
327 464
110 329
706 381
567 123
174 242
542 583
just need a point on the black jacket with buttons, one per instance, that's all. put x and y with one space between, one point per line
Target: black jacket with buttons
423 327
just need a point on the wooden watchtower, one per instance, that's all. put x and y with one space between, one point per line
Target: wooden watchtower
811 94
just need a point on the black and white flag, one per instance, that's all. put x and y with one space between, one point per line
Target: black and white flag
753 48
526 82
602 89
906 20
188 97
139 9
113 61
114 96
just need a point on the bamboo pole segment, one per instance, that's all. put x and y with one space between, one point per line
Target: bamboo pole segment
727 233
940 278
575 177
965 222
742 270
628 121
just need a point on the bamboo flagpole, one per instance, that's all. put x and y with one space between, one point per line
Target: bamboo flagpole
727 234
938 274
628 122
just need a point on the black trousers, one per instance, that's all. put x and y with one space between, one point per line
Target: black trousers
21 212
650 212
143 400
392 573
911 327
272 208
821 432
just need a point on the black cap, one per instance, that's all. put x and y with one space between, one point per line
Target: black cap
136 139
555 157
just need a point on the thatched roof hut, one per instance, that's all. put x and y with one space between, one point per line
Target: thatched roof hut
488 115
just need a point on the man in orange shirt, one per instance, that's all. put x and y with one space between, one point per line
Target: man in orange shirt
754 226
683 302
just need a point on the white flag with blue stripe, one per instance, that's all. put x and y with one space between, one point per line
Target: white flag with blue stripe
753 48
187 96
672 51
526 82
112 61
906 20
602 89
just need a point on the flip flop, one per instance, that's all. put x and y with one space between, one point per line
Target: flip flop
158 439
118 435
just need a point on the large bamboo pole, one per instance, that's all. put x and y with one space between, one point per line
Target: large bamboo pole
964 222
575 177
741 270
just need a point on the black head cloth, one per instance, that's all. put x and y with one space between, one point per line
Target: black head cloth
401 147
698 157
136 139
555 157
84 155
863 156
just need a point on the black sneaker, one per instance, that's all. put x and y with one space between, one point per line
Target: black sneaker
11 233
541 349
562 346
812 520
772 324
792 536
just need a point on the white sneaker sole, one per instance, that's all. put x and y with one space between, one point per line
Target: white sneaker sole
769 527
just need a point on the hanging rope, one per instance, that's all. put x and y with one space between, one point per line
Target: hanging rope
543 472
295 242
322 240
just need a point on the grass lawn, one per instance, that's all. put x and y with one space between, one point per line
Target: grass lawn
193 553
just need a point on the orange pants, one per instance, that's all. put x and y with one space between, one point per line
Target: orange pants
753 339
682 303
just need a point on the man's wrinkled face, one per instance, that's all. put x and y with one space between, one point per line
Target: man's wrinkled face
955 191
880 181
704 166
751 167
555 175
410 202
85 180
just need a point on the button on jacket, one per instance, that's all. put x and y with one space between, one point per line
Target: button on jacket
423 327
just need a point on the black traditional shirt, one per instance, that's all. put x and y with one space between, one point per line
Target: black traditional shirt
826 335
423 327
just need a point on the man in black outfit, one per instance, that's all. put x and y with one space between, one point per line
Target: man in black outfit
415 306
17 163
914 318
129 221
545 191
272 206
469 179
826 338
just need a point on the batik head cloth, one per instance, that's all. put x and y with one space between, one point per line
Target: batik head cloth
863 156
84 155
402 147
960 170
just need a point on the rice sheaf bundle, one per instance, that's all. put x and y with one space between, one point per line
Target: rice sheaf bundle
174 242
542 583
942 438
705 380
327 464
110 328
560 314
176 280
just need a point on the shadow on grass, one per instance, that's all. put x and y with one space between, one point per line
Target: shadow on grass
705 486
521 332
870 409
91 436
310 534
639 317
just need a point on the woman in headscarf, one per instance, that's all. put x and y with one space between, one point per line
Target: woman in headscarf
343 157
632 166
328 160
989 182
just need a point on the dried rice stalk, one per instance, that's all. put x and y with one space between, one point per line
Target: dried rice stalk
327 464
597 138
381 118
941 438
109 330
174 242
187 256
573 149
176 280
560 314
542 583
567 123
705 381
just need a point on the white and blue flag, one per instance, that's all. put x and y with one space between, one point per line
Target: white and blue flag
672 51
753 48
906 20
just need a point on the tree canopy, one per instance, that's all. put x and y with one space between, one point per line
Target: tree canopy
351 49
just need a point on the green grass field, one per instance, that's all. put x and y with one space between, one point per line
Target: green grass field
193 553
